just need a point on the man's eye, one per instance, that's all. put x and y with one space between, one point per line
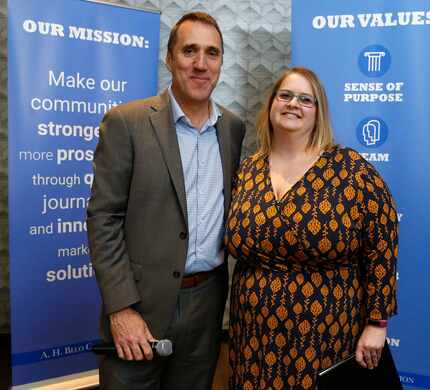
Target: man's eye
188 50
214 52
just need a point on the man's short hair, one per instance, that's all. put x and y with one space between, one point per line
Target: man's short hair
201 17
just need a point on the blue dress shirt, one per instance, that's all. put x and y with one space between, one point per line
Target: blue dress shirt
203 175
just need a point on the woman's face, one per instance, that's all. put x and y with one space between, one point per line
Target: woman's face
294 116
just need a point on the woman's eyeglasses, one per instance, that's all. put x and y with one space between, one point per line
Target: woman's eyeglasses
303 99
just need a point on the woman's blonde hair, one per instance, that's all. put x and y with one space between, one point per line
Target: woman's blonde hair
322 134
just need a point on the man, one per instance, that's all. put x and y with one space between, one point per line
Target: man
163 171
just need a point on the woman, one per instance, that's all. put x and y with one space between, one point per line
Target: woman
314 229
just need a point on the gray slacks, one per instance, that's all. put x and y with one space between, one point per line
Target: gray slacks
196 334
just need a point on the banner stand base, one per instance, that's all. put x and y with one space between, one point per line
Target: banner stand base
83 380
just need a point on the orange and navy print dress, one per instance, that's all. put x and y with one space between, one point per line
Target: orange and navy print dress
312 267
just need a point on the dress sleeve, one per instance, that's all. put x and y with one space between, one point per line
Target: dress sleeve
239 177
380 245
231 224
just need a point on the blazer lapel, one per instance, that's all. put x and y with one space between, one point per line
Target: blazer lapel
225 151
165 132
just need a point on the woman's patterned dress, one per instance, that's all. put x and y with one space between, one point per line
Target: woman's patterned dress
312 267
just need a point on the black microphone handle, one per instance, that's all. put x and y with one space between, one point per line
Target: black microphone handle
160 348
103 348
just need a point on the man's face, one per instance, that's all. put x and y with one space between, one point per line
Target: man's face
195 62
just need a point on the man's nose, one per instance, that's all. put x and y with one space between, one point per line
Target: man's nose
200 61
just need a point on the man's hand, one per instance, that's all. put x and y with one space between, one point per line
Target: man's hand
370 346
131 335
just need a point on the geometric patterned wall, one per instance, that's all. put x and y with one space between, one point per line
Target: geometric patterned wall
257 37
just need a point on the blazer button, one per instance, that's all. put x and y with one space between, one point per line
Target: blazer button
176 274
182 235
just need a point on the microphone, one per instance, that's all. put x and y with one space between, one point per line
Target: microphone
161 348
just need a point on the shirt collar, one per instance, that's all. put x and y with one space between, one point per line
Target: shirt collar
178 114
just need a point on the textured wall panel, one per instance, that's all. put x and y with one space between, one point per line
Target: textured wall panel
257 49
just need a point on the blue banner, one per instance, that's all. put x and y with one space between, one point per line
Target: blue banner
68 63
373 57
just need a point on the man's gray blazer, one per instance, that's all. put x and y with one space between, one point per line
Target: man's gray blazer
137 214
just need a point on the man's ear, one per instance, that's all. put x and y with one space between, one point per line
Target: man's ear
169 62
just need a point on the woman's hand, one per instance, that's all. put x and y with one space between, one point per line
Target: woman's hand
370 346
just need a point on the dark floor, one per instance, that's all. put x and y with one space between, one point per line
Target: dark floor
5 371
